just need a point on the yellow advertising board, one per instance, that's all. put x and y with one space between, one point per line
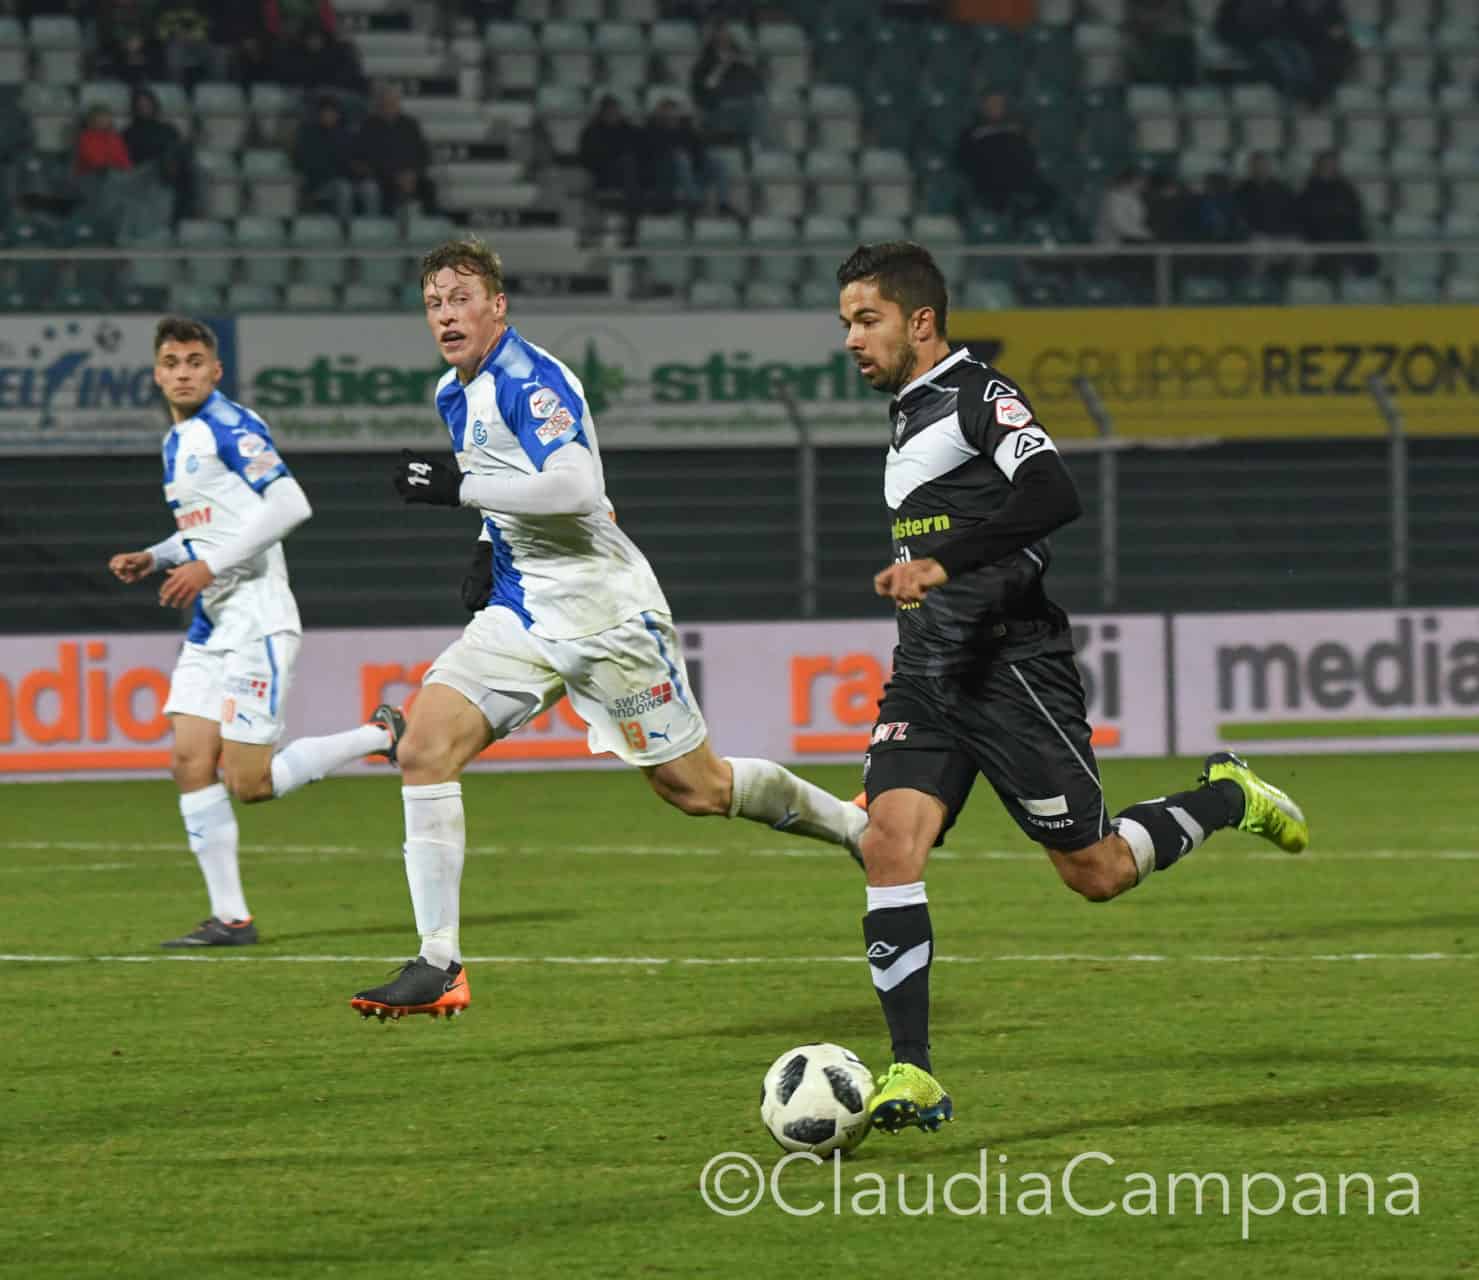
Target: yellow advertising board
1239 371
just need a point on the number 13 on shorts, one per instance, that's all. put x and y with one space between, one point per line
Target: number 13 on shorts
634 734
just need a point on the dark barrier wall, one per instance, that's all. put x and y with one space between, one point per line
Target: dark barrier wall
1246 526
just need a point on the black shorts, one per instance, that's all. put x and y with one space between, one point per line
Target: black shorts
1021 724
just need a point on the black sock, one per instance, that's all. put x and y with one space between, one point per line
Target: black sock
900 948
1178 824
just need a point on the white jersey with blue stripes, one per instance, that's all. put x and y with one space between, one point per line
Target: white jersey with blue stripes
216 466
563 576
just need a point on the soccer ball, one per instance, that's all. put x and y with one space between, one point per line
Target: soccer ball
815 1098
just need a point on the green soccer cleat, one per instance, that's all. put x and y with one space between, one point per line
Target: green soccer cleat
1267 811
909 1095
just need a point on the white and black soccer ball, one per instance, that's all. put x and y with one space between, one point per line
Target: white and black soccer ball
815 1098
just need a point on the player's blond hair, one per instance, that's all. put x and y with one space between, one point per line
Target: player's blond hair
184 329
470 257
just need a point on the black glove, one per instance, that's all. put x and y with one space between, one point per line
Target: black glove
478 584
421 479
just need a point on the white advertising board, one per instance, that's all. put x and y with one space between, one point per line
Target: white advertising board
652 380
90 705
1370 680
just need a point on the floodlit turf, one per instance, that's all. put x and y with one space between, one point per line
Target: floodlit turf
232 1117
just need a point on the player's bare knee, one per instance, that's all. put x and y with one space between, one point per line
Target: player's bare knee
697 797
424 758
249 788
1091 876
192 772
888 854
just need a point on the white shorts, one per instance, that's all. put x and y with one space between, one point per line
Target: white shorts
627 683
245 689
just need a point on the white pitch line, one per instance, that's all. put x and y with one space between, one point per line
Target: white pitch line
648 962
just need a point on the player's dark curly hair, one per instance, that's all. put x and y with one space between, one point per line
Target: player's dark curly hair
466 257
904 272
184 329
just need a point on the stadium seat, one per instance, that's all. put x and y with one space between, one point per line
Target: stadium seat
57 43
568 55
377 233
371 297
768 233
312 297
1363 290
635 10
513 54
259 232
987 295
784 52
888 181
222 109
270 181
199 236
1463 289
253 297
713 295
113 94
1206 122
670 272
622 47
275 109
764 294
562 112
1100 48
778 183
832 181
676 46
830 239
196 299
14 57
310 233
712 234
836 116
881 226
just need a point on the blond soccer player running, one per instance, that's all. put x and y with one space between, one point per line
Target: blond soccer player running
234 501
574 609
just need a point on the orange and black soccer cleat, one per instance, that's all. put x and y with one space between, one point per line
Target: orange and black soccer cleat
216 932
393 721
420 987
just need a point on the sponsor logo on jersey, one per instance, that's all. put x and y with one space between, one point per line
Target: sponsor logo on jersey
560 422
1011 412
900 423
544 402
249 686
894 731
1028 442
194 518
996 388
259 467
1048 807
479 432
192 464
250 445
921 525
635 704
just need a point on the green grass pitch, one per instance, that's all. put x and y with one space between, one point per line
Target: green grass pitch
229 1116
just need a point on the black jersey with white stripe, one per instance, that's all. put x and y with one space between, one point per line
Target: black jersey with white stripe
960 432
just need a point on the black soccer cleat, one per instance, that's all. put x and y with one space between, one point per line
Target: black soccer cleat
216 932
392 720
420 987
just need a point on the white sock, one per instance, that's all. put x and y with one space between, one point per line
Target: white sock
210 825
309 759
766 792
436 839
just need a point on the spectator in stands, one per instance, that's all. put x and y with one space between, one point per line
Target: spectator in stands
728 89
610 150
678 170
1163 47
1265 201
324 154
101 166
157 151
1123 220
392 147
1171 209
1321 28
998 156
127 49
316 61
183 32
1330 211
1302 47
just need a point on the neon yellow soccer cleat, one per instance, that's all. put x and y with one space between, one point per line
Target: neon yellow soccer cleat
909 1095
1268 812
